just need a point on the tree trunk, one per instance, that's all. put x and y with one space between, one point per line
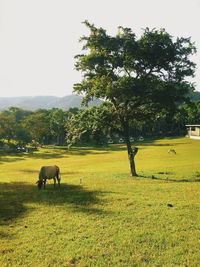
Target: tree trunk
131 152
131 156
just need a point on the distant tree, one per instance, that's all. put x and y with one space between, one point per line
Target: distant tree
73 110
140 77
188 113
22 136
7 126
11 122
91 125
18 113
38 126
57 120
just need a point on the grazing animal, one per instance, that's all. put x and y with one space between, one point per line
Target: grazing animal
48 172
172 151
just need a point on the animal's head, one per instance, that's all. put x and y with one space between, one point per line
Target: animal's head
40 183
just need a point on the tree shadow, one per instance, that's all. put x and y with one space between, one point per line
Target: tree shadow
51 154
64 152
13 159
170 144
15 196
167 179
80 150
152 142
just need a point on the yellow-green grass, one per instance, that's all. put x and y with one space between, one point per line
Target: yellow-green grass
101 216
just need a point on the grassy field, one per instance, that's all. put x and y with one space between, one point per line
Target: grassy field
101 216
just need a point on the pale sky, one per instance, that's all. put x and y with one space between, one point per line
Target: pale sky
39 38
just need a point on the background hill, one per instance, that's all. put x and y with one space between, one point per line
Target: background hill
46 102
195 96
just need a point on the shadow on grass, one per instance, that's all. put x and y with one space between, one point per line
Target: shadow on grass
55 153
13 158
167 179
15 196
152 142
63 152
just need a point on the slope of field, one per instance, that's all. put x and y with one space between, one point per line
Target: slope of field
101 216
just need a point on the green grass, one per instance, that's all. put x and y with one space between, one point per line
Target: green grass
101 216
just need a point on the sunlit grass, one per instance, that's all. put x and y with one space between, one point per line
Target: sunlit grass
102 216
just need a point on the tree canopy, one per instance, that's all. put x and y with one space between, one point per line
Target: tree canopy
141 77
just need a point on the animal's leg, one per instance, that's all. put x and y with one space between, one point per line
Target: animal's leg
54 182
44 182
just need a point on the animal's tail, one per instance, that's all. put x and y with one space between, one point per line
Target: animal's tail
58 175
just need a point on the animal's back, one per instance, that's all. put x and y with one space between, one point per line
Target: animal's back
49 171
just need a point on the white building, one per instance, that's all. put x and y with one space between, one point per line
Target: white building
193 131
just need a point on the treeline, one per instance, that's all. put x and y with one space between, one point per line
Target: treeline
97 125
19 127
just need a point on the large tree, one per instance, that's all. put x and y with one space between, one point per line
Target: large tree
139 76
